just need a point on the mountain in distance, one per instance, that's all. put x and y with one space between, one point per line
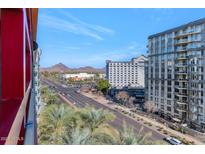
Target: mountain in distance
60 67
56 68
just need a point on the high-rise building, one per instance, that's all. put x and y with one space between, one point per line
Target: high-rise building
126 73
176 72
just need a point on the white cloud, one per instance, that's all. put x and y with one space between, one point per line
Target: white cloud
90 26
75 26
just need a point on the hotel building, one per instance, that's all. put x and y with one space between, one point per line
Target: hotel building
126 73
175 72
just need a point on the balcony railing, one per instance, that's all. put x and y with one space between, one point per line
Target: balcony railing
30 134
186 41
181 49
182 41
182 94
181 110
182 107
21 119
186 33
181 103
181 57
14 133
181 72
181 64
181 87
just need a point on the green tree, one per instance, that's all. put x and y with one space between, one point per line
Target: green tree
48 96
127 136
103 85
60 124
52 124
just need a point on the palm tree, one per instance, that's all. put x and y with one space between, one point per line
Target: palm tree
95 118
77 136
60 124
48 96
127 136
54 123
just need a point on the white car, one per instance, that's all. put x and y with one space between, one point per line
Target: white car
64 86
173 141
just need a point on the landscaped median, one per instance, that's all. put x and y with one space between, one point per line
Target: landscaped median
151 123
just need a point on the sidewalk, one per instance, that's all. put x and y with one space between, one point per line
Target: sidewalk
103 101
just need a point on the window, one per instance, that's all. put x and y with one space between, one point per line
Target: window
169 108
169 95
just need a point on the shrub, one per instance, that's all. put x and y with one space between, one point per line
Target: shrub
165 132
150 124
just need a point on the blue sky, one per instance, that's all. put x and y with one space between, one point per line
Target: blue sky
88 37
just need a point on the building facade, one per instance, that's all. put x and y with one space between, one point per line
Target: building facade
18 91
79 76
126 73
176 72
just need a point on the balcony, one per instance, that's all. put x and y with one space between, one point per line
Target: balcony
181 110
181 103
182 57
181 42
186 41
181 87
181 72
186 33
181 94
20 117
182 80
17 102
181 64
181 49
181 107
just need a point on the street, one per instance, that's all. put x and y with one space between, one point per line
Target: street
81 101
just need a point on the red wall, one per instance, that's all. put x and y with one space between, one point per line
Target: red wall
15 62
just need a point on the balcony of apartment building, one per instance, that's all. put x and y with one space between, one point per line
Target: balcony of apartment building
181 64
182 41
181 77
17 95
181 70
181 94
186 40
187 32
181 108
181 57
181 48
181 85
181 100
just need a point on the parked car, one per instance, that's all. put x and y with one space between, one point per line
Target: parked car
64 86
110 102
173 141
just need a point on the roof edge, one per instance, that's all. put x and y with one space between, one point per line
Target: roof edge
199 21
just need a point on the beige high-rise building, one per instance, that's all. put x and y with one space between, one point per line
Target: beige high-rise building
126 73
176 72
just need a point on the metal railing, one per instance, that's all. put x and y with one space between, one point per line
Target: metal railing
30 134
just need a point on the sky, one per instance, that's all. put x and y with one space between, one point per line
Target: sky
89 37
